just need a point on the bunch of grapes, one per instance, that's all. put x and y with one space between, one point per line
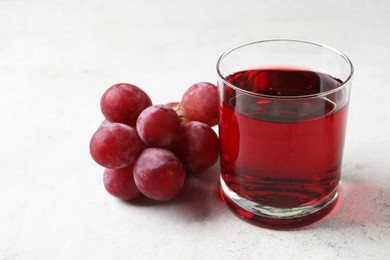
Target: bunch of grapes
148 149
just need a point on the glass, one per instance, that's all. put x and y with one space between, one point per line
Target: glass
282 120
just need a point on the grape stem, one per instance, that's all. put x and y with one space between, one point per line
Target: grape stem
177 107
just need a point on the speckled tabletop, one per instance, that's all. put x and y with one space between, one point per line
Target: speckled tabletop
57 58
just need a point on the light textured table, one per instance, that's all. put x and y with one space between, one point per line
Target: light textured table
58 57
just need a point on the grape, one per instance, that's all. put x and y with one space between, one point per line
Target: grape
105 123
159 174
120 183
197 146
200 103
174 105
122 103
158 125
115 145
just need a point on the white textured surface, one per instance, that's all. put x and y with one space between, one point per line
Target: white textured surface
57 58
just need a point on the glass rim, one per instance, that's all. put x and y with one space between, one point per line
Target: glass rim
320 94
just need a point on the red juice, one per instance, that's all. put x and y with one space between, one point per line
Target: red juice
282 152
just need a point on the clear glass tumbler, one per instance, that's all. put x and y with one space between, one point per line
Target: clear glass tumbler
283 113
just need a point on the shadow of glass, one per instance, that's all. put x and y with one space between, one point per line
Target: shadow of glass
365 202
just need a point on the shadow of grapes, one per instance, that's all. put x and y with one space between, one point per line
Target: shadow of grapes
200 198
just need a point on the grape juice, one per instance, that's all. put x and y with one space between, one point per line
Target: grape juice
282 148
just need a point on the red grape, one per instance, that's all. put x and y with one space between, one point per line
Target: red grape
122 103
120 183
105 123
200 103
158 125
197 146
159 174
115 145
174 105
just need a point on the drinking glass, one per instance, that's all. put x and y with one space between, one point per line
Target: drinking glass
282 120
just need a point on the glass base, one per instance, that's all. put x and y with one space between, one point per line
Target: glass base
276 218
